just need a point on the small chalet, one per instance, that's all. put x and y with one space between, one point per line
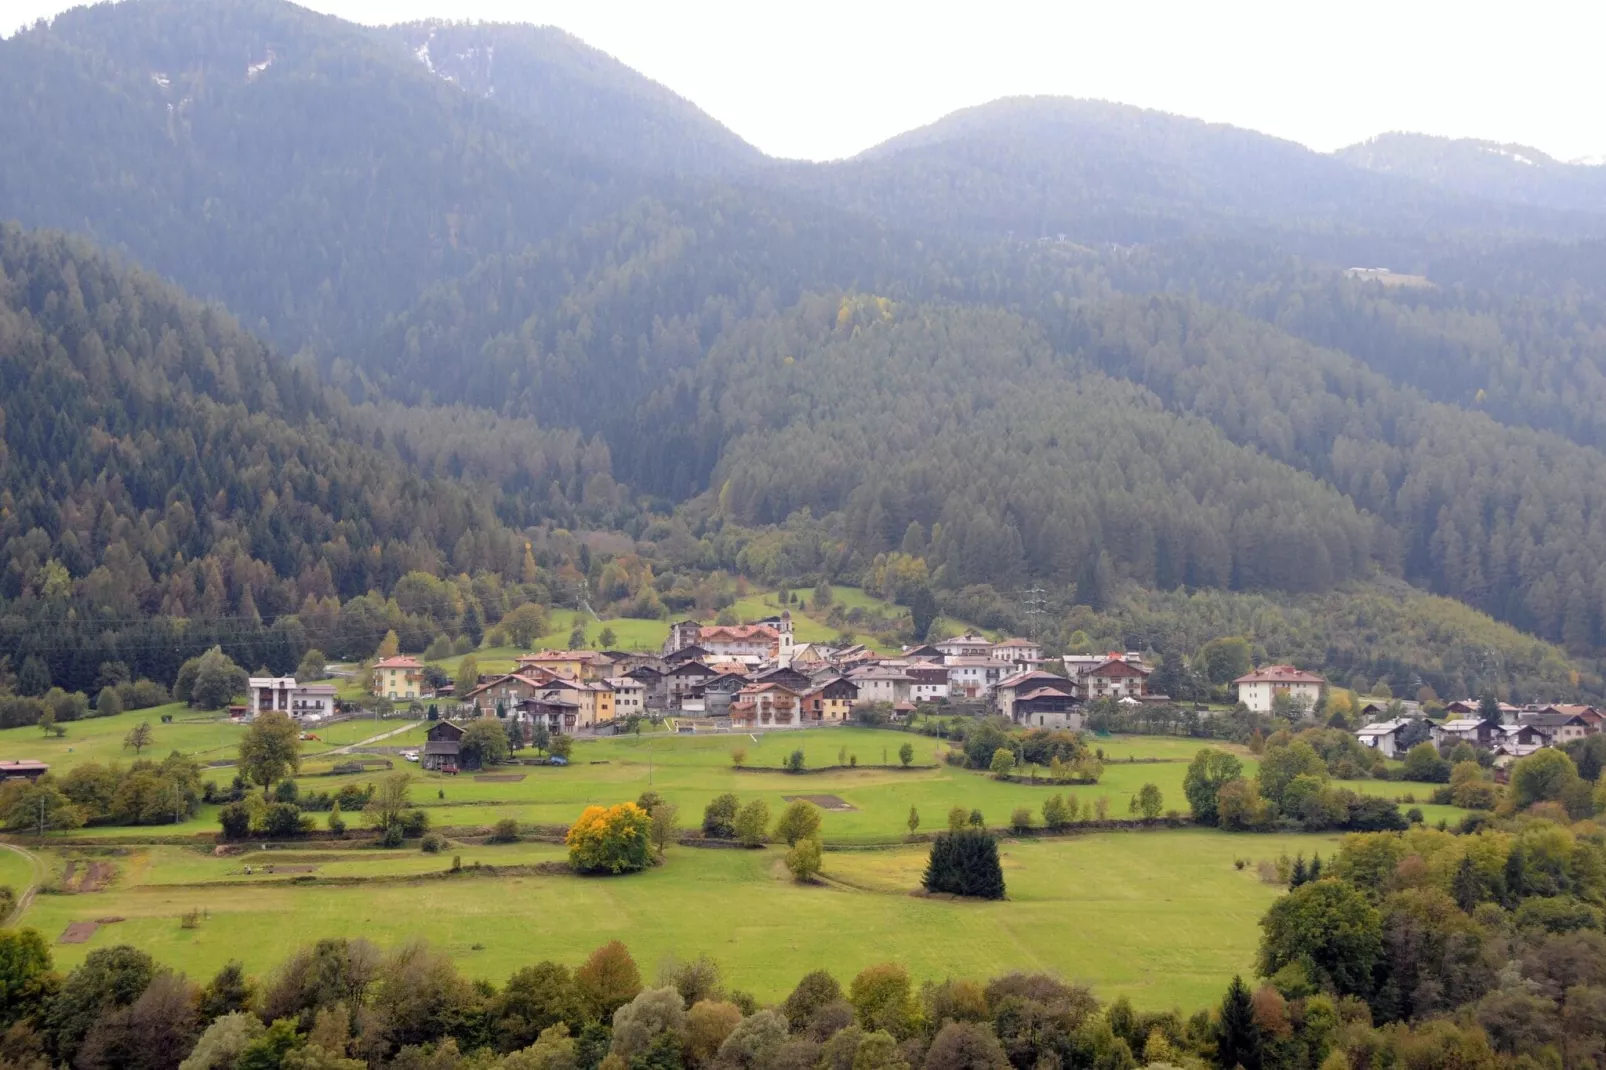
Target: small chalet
1384 737
1592 716
759 706
22 769
1522 735
684 654
1508 752
442 745
686 679
830 702
784 675
557 712
925 653
1473 730
1011 688
1558 728
1047 707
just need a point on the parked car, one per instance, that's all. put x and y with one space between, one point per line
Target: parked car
557 760
410 755
449 770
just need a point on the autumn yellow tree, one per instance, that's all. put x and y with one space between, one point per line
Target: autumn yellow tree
611 839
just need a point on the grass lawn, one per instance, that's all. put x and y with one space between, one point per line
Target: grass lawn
1161 916
691 770
201 735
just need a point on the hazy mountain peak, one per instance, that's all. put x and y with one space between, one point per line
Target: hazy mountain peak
1490 170
577 91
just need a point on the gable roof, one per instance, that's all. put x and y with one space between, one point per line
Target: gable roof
731 633
1116 667
1279 674
400 661
1384 728
1031 676
1023 644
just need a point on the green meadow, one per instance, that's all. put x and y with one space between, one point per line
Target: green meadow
1162 916
1165 915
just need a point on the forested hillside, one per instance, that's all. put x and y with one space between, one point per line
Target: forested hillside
510 314
1484 169
575 90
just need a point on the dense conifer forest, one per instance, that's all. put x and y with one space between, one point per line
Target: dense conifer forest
478 304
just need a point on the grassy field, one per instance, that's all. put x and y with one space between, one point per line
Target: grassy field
100 739
690 771
1164 917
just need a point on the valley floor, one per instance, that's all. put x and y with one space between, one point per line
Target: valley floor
1166 916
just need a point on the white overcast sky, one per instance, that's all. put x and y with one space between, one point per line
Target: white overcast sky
827 78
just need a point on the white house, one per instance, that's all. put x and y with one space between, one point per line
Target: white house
310 701
1258 689
972 677
629 695
1020 653
969 645
880 683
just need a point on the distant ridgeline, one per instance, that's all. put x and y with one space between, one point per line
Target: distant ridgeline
495 318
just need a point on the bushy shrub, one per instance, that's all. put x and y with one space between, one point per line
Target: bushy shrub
432 843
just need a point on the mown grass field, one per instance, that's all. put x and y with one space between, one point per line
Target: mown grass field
1162 916
202 735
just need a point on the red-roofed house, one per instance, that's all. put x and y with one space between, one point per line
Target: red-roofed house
1114 677
1257 689
399 677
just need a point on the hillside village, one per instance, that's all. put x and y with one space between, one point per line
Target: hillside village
757 676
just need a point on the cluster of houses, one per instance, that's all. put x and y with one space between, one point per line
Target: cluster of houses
1518 732
756 676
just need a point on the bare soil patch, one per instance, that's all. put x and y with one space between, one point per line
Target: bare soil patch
97 877
78 932
824 802
499 778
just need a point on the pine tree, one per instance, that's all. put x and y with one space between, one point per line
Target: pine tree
1315 872
1300 875
1465 887
473 624
1237 1032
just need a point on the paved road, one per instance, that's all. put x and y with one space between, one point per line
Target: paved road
25 900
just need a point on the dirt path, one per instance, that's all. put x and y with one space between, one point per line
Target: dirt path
370 741
25 898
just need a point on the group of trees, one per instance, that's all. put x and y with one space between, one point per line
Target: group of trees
145 792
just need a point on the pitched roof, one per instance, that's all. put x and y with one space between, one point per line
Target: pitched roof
1279 674
1116 667
1020 643
1041 692
736 632
1384 728
400 661
1045 679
